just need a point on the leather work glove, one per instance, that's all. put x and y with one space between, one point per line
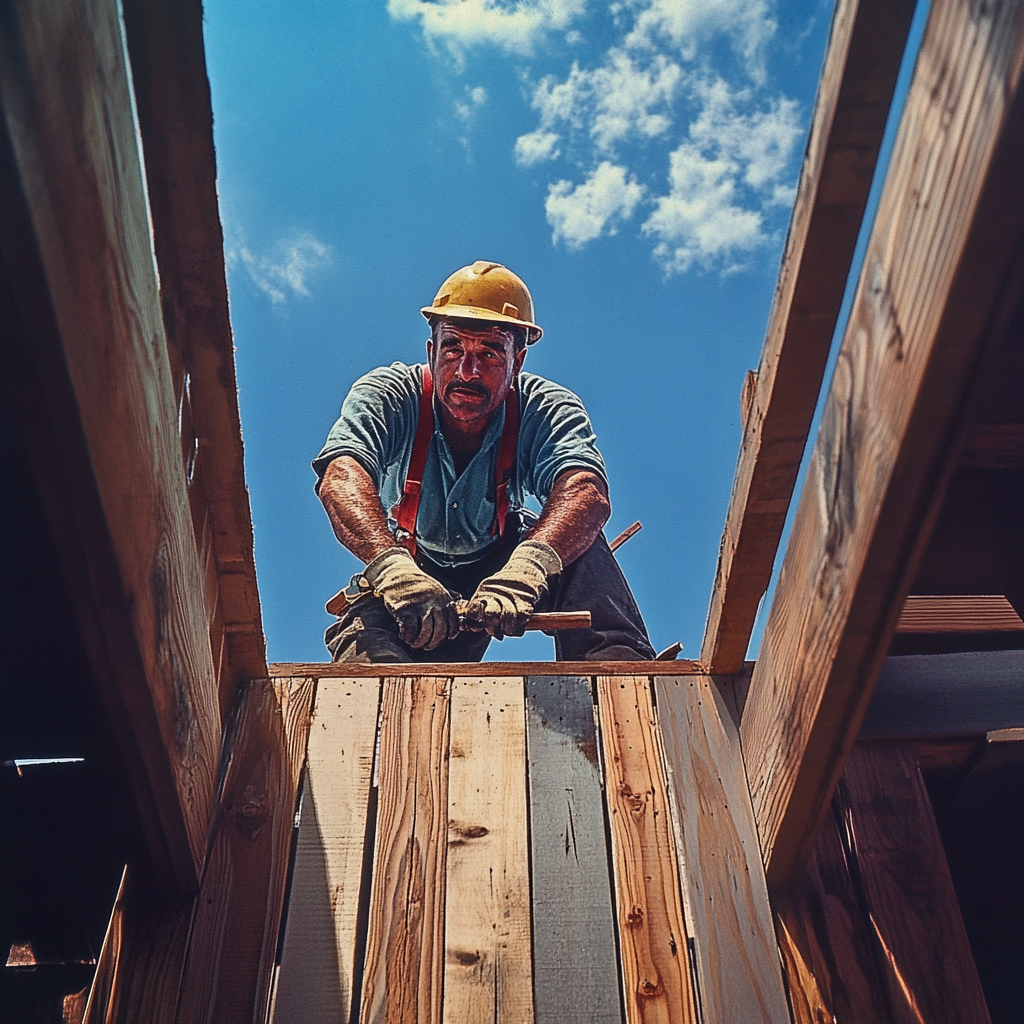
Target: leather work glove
424 610
503 602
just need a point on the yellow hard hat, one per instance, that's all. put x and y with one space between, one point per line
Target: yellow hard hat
486 291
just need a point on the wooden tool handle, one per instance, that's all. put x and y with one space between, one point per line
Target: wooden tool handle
559 620
337 604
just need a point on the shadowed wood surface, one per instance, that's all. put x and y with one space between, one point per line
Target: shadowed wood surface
314 984
230 961
938 283
970 613
724 890
488 971
451 670
405 945
576 966
857 81
652 935
97 362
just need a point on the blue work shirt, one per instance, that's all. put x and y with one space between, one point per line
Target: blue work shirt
377 427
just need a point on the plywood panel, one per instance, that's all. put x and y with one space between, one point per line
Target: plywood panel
576 968
737 961
488 974
315 980
405 942
652 934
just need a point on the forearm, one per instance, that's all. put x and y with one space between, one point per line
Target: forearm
573 515
354 509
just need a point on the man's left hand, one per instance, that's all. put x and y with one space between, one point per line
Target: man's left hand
503 602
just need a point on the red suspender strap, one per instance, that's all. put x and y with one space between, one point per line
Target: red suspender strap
506 460
406 510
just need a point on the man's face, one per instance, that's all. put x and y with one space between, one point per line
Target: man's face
473 369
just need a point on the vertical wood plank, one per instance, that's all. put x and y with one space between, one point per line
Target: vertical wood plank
404 948
576 968
231 953
652 934
728 914
897 856
314 984
488 974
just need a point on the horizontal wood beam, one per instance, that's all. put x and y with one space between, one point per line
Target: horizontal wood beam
328 669
941 280
95 405
857 82
969 613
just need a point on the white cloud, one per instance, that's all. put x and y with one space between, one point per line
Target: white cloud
460 24
475 98
286 272
535 147
625 95
581 214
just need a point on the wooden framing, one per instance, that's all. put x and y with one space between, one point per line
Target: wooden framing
939 280
857 82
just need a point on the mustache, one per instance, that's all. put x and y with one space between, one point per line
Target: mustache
468 385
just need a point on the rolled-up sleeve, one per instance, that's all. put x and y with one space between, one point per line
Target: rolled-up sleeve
377 417
555 435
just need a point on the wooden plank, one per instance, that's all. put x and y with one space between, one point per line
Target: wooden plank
315 981
947 695
652 935
576 966
896 856
725 895
77 248
488 971
941 277
969 613
404 948
101 1006
230 962
857 81
172 92
327 669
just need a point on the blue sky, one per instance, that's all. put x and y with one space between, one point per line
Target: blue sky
633 162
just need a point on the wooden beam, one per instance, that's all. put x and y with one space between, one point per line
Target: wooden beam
229 968
96 405
857 81
971 613
653 944
172 93
942 275
589 669
735 957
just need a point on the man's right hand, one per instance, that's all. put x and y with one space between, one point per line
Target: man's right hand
424 610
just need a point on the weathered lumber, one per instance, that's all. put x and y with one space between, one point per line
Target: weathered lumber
487 944
230 961
941 276
896 856
969 613
857 81
327 670
656 973
101 1006
947 695
96 406
404 966
735 958
172 93
315 980
576 968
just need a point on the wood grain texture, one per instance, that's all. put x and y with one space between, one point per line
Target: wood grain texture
857 81
230 962
125 529
327 669
172 93
315 980
941 274
104 993
652 934
725 895
488 970
969 613
404 967
576 967
896 854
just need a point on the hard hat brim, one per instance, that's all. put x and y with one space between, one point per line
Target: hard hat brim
533 332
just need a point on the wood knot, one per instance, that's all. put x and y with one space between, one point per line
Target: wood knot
649 989
464 958
635 918
459 833
250 812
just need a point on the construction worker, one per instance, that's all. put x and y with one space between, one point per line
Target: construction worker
424 478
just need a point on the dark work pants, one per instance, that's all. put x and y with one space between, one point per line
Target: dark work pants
367 633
